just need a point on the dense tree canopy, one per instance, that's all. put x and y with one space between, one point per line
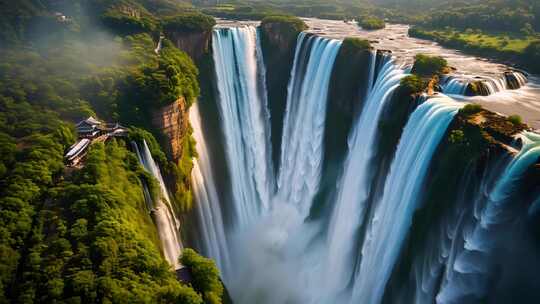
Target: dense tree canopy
85 235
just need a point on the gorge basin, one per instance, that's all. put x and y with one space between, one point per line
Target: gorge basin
317 226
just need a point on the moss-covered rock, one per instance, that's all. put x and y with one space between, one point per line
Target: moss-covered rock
477 88
512 81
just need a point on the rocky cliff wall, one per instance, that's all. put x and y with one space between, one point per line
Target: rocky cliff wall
346 96
278 40
173 122
195 44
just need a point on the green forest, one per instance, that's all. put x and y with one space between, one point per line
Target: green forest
84 235
505 30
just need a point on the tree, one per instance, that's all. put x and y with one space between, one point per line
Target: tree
527 29
425 65
412 84
205 276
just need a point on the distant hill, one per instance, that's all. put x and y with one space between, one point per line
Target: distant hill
19 20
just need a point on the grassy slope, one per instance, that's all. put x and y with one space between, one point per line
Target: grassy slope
503 42
504 47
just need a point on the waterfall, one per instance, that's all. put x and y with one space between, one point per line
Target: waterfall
245 119
208 209
270 246
271 251
402 192
447 226
495 222
355 184
305 116
166 222
457 85
159 45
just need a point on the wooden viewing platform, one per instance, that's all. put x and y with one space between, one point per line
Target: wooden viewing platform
91 130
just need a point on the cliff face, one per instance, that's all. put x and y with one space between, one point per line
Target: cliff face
278 40
346 95
173 122
348 85
195 44
280 35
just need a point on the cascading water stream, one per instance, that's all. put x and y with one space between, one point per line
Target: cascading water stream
455 86
166 222
354 187
468 273
208 209
302 145
393 213
245 120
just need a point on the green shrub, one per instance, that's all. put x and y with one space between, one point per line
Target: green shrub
352 43
140 135
471 109
412 85
425 65
205 276
372 23
515 119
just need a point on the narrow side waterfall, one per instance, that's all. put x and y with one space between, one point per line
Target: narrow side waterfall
166 222
209 215
495 225
302 145
245 119
354 187
393 213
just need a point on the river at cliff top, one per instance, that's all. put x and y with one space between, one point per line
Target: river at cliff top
524 101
